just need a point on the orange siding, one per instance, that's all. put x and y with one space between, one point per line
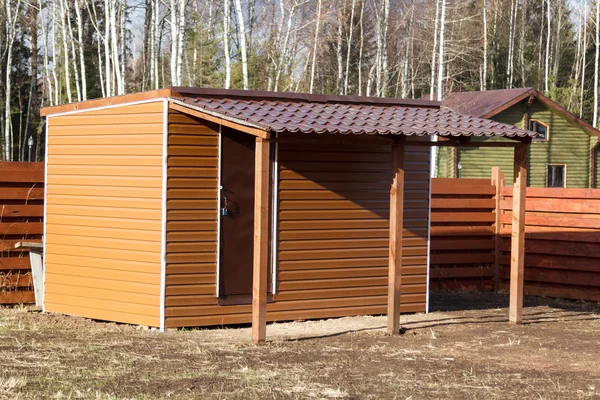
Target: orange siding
333 229
192 171
104 214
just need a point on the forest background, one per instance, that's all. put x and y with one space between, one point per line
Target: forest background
61 51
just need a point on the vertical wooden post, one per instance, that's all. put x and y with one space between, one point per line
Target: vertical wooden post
498 181
261 241
517 249
395 250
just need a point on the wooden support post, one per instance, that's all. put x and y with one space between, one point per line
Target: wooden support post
261 241
517 249
395 250
498 182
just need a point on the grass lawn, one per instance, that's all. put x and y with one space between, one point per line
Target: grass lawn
447 354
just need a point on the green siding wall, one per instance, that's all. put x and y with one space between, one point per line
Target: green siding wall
568 144
597 155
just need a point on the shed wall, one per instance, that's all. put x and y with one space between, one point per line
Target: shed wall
104 214
333 229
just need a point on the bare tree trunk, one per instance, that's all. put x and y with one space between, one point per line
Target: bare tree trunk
384 47
522 43
540 44
315 43
226 29
71 37
596 65
360 50
54 55
511 27
11 32
434 51
349 47
583 61
94 20
107 69
242 34
338 51
65 52
81 51
440 83
485 46
180 40
547 65
115 49
574 76
156 53
46 62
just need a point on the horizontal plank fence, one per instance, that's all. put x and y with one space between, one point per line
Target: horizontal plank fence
462 234
21 218
562 242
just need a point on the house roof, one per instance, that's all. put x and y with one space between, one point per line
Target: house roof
486 104
305 113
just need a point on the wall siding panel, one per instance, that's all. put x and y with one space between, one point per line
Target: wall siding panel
332 236
103 214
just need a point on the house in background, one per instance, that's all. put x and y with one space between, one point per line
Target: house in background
565 155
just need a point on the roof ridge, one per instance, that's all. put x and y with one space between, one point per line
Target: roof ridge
305 97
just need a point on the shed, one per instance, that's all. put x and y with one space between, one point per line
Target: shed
194 207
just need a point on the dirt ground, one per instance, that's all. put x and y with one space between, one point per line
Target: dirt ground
447 354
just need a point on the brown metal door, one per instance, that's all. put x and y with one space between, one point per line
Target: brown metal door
237 214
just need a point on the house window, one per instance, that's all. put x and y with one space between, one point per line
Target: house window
540 128
556 175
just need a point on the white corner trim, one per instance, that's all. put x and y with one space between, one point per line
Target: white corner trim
84 110
275 213
432 155
219 192
163 233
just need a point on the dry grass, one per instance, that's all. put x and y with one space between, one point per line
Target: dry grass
446 354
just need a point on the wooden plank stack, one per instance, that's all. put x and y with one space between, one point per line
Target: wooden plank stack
21 218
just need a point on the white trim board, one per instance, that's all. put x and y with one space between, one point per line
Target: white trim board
163 239
274 216
219 194
133 103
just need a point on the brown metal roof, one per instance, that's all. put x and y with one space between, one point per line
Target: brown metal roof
482 104
343 115
308 113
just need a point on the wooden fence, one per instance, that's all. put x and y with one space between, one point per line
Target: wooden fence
21 214
462 234
470 238
562 242
470 235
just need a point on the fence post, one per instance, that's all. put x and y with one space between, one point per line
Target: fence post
498 182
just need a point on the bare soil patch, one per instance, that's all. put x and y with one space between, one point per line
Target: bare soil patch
447 354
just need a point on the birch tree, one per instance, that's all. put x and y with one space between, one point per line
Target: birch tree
242 38
12 15
315 43
485 46
596 65
441 53
547 64
434 51
226 32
